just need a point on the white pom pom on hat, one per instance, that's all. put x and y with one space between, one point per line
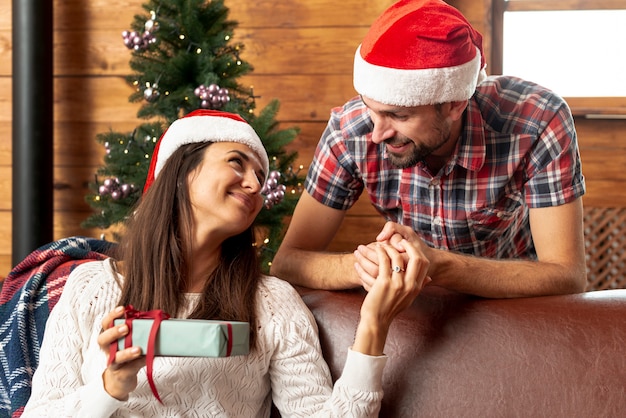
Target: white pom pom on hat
419 52
204 125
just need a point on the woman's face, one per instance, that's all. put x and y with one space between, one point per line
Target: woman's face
225 189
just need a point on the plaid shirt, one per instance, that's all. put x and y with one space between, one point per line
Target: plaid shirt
518 150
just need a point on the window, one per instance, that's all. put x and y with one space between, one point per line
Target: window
576 48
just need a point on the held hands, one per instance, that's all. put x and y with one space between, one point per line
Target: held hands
396 286
120 378
367 266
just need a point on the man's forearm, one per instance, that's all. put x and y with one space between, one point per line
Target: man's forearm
316 270
505 278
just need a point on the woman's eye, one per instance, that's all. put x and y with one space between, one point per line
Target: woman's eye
237 161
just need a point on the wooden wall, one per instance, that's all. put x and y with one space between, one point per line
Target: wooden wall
302 52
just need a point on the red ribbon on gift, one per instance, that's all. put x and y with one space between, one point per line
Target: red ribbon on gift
229 343
130 314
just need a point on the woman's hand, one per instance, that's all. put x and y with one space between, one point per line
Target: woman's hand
120 378
396 286
392 234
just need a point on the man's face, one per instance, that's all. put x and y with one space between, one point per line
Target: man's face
410 134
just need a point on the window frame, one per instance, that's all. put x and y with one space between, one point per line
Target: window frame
590 107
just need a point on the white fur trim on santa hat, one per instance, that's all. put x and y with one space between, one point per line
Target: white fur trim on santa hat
213 128
417 87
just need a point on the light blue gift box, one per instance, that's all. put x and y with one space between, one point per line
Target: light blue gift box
190 337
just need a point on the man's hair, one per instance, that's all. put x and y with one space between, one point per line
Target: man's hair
156 250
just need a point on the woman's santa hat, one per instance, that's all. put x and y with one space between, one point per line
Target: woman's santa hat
204 125
419 52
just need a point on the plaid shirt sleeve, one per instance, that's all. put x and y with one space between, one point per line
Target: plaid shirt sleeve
554 168
334 178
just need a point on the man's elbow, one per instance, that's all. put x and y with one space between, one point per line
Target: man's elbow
275 267
278 266
576 281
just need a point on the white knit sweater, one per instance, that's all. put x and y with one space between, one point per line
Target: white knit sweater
287 366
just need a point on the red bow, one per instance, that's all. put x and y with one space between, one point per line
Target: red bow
130 314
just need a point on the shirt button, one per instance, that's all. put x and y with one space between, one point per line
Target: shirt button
437 220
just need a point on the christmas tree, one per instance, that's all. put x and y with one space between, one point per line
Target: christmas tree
183 58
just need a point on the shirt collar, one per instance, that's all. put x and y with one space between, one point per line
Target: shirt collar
471 149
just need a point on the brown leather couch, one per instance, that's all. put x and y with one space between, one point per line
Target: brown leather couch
453 355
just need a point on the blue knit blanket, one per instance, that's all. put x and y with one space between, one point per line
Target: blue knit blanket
28 294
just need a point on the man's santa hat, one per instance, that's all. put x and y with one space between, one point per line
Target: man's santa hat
419 52
204 126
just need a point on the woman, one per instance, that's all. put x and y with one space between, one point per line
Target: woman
188 250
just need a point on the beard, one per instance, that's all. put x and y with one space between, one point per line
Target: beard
420 150
411 157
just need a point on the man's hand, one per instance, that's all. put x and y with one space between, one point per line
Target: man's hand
393 234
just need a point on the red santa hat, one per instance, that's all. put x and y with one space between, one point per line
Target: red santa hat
419 52
204 125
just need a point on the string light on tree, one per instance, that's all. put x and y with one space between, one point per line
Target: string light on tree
293 177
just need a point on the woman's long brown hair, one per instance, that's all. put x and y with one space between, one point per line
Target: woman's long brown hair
156 250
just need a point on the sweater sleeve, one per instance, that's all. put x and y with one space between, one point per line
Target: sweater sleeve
300 378
69 347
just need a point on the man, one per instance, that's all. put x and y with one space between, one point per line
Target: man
483 173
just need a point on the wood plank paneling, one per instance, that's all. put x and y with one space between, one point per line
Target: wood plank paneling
6 89
5 188
517 5
71 180
118 14
88 35
6 54
5 265
356 230
70 188
597 166
75 143
607 134
66 224
5 242
269 50
5 144
300 95
311 13
106 99
5 14
604 193
84 99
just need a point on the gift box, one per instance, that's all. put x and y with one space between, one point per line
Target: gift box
188 337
